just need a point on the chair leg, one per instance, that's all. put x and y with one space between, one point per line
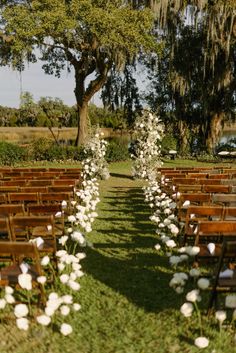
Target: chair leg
212 301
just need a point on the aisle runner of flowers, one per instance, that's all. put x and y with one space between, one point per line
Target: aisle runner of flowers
61 283
146 159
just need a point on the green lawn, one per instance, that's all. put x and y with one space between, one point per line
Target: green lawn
127 305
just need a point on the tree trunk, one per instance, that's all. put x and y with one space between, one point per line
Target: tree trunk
214 130
183 137
82 133
83 98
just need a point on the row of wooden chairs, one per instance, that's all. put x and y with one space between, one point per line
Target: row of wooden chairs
16 253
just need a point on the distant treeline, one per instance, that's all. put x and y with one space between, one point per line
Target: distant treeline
52 112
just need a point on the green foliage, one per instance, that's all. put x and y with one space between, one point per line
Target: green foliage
117 149
44 149
11 154
105 118
169 142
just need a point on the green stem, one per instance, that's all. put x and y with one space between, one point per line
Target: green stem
199 317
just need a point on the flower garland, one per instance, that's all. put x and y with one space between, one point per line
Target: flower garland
147 146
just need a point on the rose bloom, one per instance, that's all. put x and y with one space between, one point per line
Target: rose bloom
45 260
43 320
201 342
203 283
25 281
2 303
66 329
21 310
22 323
220 315
193 295
186 309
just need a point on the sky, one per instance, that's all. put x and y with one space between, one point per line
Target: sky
34 80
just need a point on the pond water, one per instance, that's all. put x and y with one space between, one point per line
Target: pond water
227 135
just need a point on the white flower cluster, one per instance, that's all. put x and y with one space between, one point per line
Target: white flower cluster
163 216
148 135
58 306
95 165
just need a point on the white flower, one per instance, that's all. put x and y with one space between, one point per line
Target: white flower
230 301
25 281
67 299
220 315
171 243
174 260
62 240
45 260
76 306
179 290
71 218
50 310
74 285
201 342
66 329
203 283
64 278
65 310
194 272
60 266
21 310
193 296
9 299
157 247
43 320
53 296
192 250
41 279
22 323
3 303
186 309
9 290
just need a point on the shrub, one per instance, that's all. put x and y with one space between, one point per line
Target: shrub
11 154
117 149
169 142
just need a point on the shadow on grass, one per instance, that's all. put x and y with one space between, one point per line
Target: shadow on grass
117 175
123 256
144 287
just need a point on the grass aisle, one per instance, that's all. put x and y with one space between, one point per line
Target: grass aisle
127 306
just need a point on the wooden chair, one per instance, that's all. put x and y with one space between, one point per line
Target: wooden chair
189 188
213 232
40 182
3 198
57 197
195 214
25 228
11 209
194 199
17 253
23 197
224 199
34 189
229 214
4 229
50 209
15 183
217 188
223 284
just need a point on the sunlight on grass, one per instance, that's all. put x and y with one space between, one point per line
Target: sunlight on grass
127 305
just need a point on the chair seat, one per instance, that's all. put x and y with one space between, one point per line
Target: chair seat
9 274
